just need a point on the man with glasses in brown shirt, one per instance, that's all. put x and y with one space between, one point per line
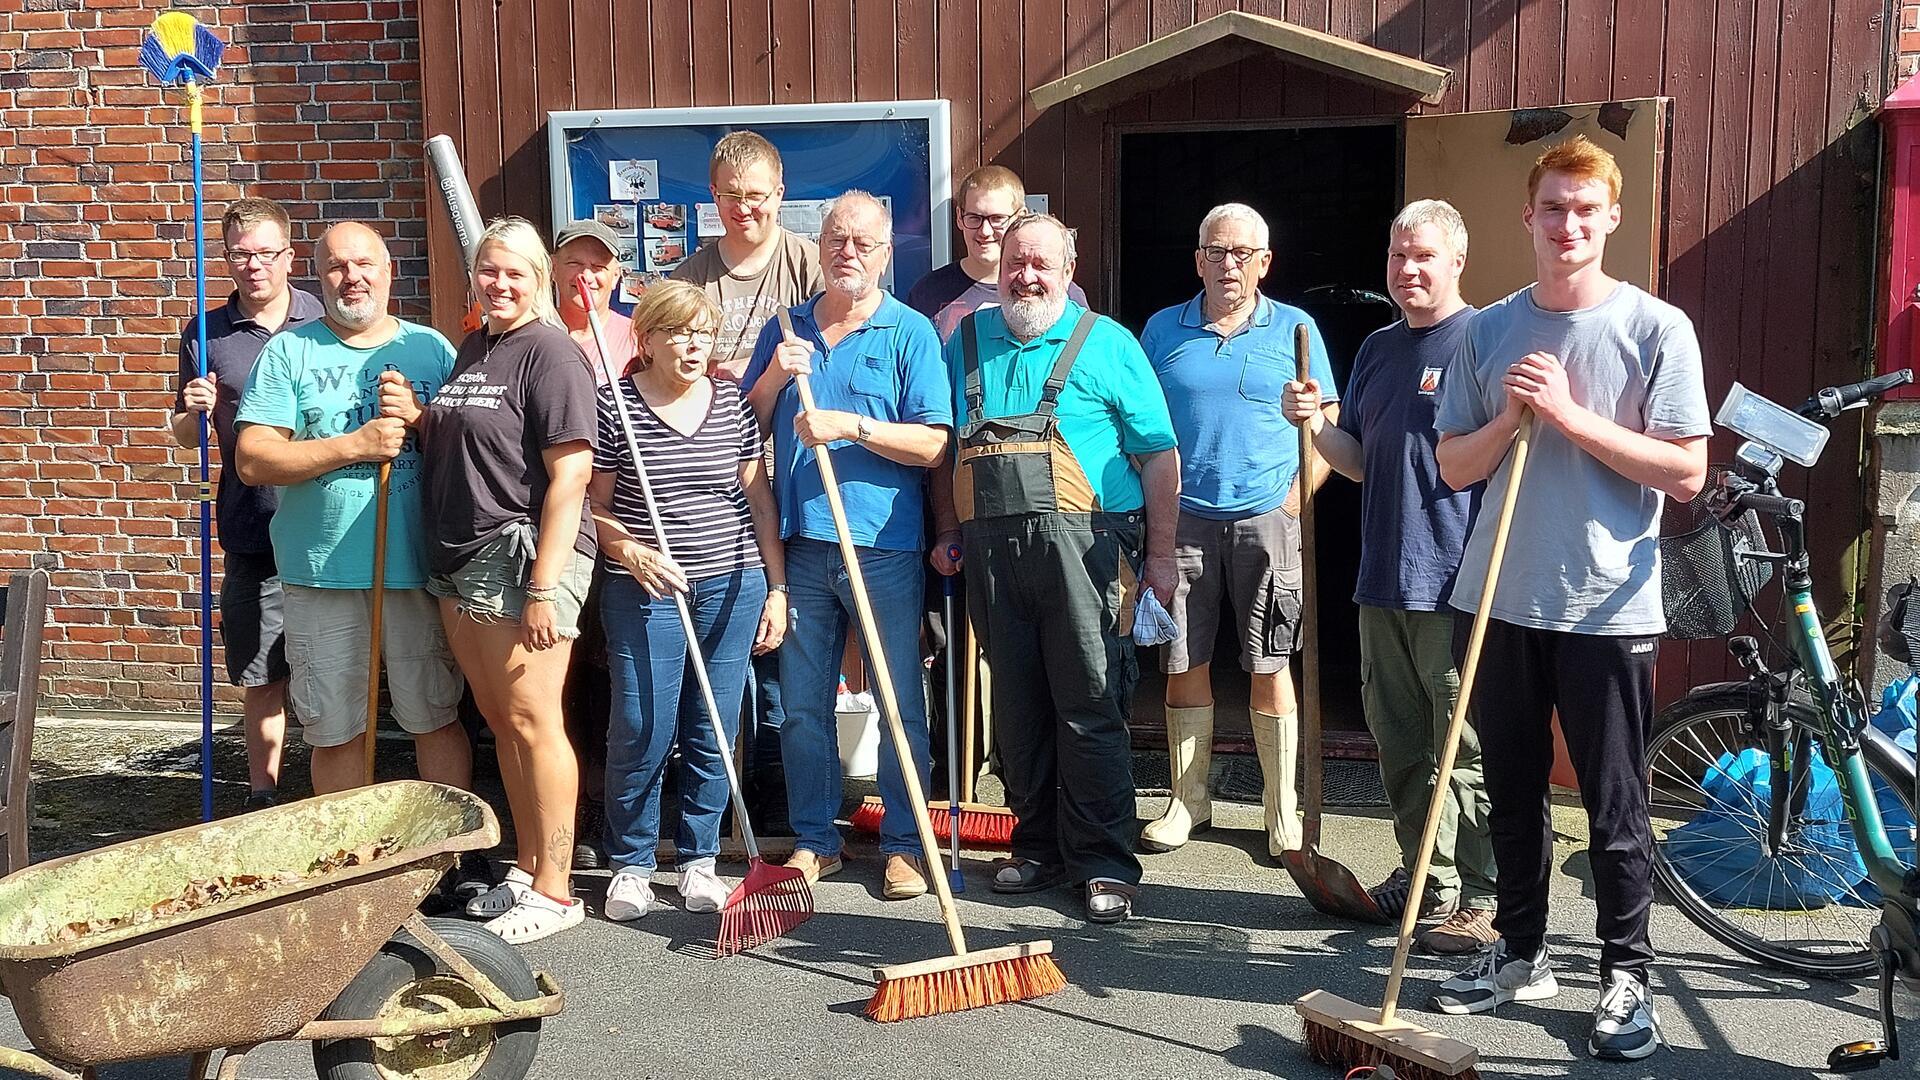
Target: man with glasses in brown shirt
756 267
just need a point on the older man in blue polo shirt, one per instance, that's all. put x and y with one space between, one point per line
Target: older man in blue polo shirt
1224 359
884 410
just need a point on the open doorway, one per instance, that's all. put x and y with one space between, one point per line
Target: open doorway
1328 194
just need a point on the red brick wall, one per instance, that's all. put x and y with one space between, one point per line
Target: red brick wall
1907 49
318 105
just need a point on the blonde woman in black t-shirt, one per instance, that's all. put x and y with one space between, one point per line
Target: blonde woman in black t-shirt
508 446
702 453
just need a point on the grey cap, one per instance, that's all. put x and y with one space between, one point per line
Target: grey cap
589 227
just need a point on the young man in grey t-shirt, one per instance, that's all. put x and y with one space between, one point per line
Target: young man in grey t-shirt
1612 377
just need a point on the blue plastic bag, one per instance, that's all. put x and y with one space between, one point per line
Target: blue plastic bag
1718 853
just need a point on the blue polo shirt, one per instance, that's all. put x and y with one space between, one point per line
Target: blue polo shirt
888 369
1110 407
1238 454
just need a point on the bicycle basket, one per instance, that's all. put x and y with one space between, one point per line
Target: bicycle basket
1706 580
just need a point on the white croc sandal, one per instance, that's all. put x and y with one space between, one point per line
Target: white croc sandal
500 899
537 916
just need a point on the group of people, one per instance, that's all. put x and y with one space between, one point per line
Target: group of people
989 426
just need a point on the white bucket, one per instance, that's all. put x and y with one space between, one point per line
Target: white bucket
859 723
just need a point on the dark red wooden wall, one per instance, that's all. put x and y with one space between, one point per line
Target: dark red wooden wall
1772 176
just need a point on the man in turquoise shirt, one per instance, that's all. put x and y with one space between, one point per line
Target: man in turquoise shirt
313 423
1224 358
1065 474
881 409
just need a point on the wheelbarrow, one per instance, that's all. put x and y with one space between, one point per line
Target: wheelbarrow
333 954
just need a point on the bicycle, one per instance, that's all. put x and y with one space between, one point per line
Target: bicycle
1810 883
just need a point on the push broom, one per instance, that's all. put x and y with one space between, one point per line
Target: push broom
959 818
180 52
1342 1033
771 900
964 980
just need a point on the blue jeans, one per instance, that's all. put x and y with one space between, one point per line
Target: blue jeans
820 603
648 662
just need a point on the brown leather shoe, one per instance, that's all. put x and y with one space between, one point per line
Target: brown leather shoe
813 865
1466 930
905 878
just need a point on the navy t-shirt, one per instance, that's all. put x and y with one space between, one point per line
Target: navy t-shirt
1412 525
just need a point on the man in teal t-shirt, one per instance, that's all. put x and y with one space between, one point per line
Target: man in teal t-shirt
1053 540
312 423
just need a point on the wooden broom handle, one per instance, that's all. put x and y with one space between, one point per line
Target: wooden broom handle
882 676
1444 776
379 605
1309 619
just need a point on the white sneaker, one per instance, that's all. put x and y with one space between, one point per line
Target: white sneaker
1625 1027
537 916
629 896
1495 979
500 899
701 890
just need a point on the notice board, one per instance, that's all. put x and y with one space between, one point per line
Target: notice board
644 173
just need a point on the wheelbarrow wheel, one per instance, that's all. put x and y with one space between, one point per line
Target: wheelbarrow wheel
404 979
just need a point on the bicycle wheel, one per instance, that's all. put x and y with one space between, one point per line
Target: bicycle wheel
1806 908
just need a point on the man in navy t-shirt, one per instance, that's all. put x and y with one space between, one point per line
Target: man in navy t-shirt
1412 528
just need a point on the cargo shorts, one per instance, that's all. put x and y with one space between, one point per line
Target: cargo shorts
1252 566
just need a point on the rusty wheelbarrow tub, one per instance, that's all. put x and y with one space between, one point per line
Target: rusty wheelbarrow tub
267 965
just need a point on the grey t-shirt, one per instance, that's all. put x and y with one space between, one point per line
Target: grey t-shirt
746 303
1584 552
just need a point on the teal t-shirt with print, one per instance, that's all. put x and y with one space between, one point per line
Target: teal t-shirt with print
1111 407
316 386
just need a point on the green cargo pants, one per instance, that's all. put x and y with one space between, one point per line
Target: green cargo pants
1408 685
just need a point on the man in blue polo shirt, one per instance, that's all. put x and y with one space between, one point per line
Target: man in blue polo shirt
1063 494
883 408
1224 358
259 259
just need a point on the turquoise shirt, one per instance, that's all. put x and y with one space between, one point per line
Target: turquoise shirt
1110 407
888 369
1238 454
313 384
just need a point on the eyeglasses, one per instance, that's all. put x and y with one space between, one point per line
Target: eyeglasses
684 336
1215 253
862 244
752 200
997 222
242 257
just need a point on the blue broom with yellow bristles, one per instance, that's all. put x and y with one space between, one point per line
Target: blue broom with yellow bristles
181 52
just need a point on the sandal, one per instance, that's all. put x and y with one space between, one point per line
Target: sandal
1109 901
501 899
1025 876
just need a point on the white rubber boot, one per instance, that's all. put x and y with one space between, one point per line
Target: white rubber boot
1189 754
1278 740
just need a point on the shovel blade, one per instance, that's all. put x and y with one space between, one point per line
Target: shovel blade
1330 887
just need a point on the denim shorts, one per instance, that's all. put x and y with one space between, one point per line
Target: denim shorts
493 585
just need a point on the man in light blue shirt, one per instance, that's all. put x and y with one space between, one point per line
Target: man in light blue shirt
313 423
1224 359
882 408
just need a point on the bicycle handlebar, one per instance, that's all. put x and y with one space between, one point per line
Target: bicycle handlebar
1771 505
1834 400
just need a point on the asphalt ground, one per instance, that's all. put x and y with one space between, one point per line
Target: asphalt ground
1197 985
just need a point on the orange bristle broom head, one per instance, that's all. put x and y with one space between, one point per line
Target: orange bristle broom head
1348 1036
981 826
767 905
973 980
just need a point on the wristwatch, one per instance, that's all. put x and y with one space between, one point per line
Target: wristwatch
865 430
780 587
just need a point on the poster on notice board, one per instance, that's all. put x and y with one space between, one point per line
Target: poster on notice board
643 174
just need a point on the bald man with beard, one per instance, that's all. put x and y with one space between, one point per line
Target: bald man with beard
315 422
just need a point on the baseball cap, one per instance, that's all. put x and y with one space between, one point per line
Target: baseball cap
589 227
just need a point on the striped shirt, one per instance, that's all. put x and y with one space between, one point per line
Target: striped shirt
696 479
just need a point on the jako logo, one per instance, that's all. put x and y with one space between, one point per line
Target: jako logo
1641 647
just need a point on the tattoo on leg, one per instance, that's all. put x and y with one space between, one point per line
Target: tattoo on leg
560 845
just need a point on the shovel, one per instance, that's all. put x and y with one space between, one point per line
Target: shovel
1326 883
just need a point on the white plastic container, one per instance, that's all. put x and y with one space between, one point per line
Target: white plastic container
859 723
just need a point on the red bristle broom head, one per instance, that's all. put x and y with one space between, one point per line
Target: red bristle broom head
768 904
957 983
1329 1046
